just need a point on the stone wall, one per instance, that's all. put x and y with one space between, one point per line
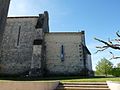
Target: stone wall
28 85
17 45
29 48
72 62
23 45
89 62
4 5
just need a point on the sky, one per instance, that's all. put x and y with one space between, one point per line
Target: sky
98 18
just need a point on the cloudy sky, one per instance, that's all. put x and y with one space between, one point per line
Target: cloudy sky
99 18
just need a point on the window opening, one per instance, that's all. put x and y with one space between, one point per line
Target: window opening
62 53
38 42
18 40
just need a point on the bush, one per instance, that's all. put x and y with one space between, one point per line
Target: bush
116 72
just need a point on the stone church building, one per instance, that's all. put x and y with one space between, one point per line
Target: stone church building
29 48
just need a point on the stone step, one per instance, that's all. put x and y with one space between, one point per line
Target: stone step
80 88
83 86
90 86
84 83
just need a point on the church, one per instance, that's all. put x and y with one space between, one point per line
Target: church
27 47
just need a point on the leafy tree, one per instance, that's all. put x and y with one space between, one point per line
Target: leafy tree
116 72
118 65
113 43
104 67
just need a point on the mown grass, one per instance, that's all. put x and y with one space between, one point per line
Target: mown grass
62 79
91 80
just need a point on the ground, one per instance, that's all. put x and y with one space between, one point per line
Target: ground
65 79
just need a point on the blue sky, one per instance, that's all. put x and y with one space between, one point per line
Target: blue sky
99 18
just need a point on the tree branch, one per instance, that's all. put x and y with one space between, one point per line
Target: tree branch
108 44
113 56
117 33
114 44
101 47
101 50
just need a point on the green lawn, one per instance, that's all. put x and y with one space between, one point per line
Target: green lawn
91 80
65 79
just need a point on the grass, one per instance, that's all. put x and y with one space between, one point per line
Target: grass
91 80
63 79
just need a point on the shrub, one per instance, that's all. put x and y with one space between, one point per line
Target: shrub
116 72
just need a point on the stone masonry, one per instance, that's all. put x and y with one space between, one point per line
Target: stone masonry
74 61
22 45
28 48
4 5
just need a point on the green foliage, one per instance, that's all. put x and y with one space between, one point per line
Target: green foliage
118 65
116 72
104 67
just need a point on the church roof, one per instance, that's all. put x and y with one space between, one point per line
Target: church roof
86 49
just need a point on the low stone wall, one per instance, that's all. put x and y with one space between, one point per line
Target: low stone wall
28 85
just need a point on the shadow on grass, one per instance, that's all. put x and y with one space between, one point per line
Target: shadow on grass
16 78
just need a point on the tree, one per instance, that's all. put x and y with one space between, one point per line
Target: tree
114 44
118 65
116 70
104 67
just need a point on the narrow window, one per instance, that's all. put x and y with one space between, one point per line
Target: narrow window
18 39
62 53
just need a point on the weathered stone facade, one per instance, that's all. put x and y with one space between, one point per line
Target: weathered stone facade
28 48
4 5
22 45
73 54
17 45
74 61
